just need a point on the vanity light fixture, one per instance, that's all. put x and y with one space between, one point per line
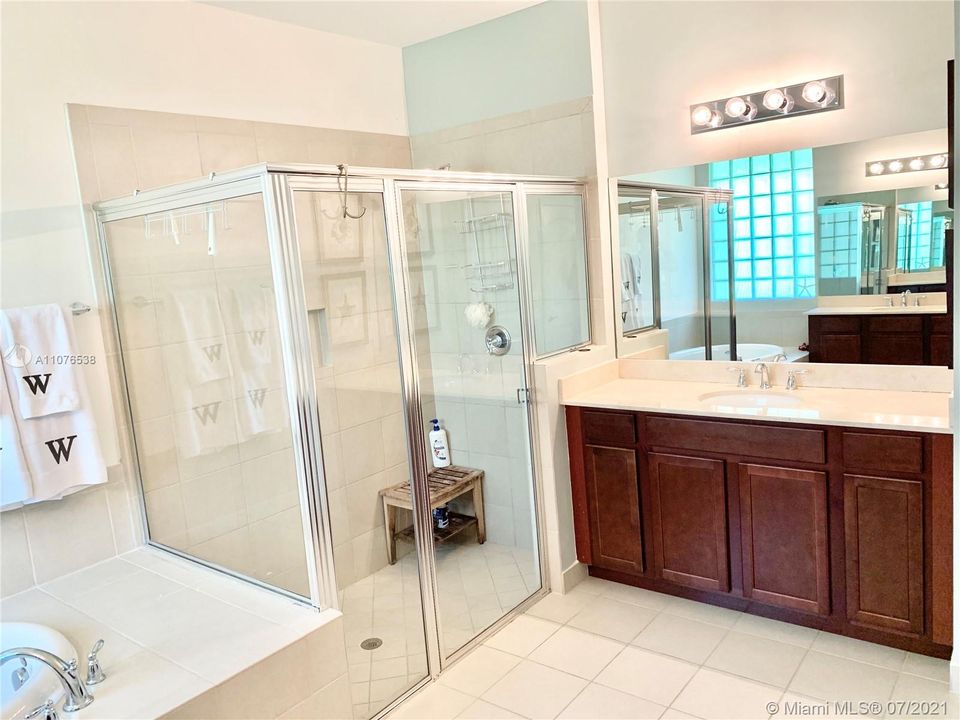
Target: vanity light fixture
784 101
914 163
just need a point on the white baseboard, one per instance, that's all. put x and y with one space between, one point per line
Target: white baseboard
573 575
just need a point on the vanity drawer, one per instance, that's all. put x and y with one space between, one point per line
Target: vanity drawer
837 323
748 440
880 452
894 324
607 428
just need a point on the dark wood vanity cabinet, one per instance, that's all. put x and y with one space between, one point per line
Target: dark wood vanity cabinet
847 530
879 339
784 537
689 528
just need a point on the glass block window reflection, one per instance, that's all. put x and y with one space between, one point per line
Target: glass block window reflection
773 225
840 230
915 229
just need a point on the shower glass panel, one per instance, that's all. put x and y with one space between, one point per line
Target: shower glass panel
461 272
353 343
680 243
558 271
718 283
638 297
198 334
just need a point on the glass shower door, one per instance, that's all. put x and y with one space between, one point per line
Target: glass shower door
353 341
462 282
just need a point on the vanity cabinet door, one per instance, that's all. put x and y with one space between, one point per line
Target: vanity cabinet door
689 533
783 528
613 500
883 529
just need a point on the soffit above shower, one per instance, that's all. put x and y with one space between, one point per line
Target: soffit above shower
381 21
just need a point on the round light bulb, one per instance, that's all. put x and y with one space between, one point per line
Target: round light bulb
876 168
705 116
938 161
701 116
895 166
815 92
917 164
735 107
776 99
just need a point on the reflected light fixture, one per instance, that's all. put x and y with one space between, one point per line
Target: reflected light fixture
783 101
912 163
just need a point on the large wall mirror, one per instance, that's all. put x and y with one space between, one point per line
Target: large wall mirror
805 255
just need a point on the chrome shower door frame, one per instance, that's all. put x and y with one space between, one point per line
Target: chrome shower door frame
298 372
708 196
276 184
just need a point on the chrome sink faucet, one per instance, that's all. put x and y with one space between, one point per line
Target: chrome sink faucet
741 376
764 375
905 298
73 685
792 378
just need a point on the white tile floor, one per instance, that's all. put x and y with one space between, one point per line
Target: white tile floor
478 585
606 650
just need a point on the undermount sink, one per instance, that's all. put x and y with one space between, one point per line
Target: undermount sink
759 399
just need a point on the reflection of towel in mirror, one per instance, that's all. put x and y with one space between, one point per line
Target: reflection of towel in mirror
631 298
252 306
47 382
16 485
258 384
198 312
206 426
261 410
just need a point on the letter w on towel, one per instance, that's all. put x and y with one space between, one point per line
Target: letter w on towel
43 331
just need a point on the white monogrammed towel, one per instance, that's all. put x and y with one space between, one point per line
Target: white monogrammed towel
39 354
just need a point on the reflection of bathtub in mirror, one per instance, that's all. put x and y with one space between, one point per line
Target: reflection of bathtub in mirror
25 686
746 352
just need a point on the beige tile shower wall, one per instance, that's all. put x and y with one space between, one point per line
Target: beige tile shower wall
117 151
350 310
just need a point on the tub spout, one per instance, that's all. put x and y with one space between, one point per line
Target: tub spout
77 695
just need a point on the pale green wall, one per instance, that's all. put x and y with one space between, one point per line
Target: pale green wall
528 59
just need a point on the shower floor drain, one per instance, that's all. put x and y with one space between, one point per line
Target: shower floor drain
371 643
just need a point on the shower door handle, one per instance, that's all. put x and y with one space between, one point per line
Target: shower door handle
523 396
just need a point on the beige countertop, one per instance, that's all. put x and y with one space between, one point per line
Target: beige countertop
878 310
883 409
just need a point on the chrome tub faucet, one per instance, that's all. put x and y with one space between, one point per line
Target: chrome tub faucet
74 687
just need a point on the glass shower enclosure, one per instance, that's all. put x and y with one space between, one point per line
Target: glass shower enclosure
675 269
288 333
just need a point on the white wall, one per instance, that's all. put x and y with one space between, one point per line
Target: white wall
892 55
171 56
839 169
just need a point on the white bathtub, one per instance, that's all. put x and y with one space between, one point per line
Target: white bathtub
42 682
747 352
